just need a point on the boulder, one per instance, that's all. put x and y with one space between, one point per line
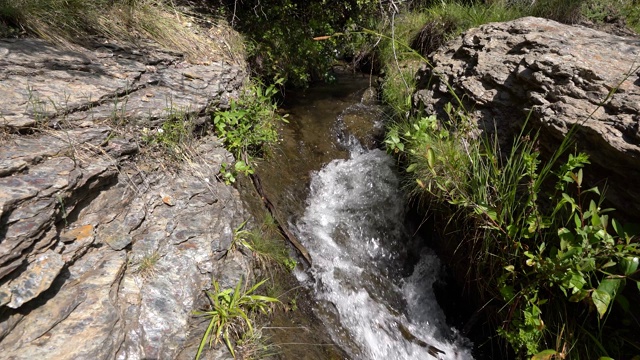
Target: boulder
563 76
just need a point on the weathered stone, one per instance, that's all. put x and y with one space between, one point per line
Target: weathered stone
564 75
81 322
37 278
79 233
94 264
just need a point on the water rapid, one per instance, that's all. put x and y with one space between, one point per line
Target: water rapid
353 228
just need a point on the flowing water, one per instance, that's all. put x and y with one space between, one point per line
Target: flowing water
352 223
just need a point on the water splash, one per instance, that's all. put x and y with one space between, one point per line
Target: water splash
353 229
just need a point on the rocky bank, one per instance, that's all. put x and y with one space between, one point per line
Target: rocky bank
105 246
559 74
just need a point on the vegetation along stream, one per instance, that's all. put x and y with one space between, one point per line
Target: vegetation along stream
343 202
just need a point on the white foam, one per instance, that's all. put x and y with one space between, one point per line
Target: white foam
353 230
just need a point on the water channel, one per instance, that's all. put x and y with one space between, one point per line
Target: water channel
341 198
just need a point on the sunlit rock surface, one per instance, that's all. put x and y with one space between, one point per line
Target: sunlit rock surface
105 249
564 75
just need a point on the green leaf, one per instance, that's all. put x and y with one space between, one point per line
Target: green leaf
566 238
411 168
601 300
544 355
507 292
579 182
610 286
617 227
577 221
629 265
577 281
431 157
579 296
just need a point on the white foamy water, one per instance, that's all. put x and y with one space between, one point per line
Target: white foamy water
353 229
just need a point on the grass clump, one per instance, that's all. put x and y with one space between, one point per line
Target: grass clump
266 244
73 21
145 266
175 132
406 39
231 315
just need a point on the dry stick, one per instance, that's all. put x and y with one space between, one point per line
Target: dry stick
255 179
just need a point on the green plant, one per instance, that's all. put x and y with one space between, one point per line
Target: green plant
268 246
231 313
529 243
281 35
145 267
175 132
248 127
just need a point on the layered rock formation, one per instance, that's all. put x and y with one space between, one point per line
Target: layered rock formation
564 76
105 247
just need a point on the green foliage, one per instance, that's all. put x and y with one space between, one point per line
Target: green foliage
607 11
533 237
531 244
175 132
281 35
231 314
407 39
266 244
247 127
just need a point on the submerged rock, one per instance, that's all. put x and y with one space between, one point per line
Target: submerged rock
562 76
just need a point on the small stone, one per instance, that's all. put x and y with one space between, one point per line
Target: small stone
169 200
79 233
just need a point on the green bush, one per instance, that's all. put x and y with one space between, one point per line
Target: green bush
552 255
281 35
534 239
248 126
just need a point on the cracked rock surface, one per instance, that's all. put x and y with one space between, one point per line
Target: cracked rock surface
564 75
105 251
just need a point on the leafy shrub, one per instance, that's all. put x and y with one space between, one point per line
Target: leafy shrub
534 239
247 127
539 249
281 35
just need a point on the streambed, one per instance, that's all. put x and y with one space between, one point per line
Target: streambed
343 202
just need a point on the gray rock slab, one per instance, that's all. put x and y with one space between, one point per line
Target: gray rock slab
104 252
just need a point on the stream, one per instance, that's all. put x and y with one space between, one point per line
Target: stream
370 279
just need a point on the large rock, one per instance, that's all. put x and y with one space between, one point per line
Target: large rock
106 248
564 75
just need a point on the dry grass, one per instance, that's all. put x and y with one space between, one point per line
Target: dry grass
73 21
